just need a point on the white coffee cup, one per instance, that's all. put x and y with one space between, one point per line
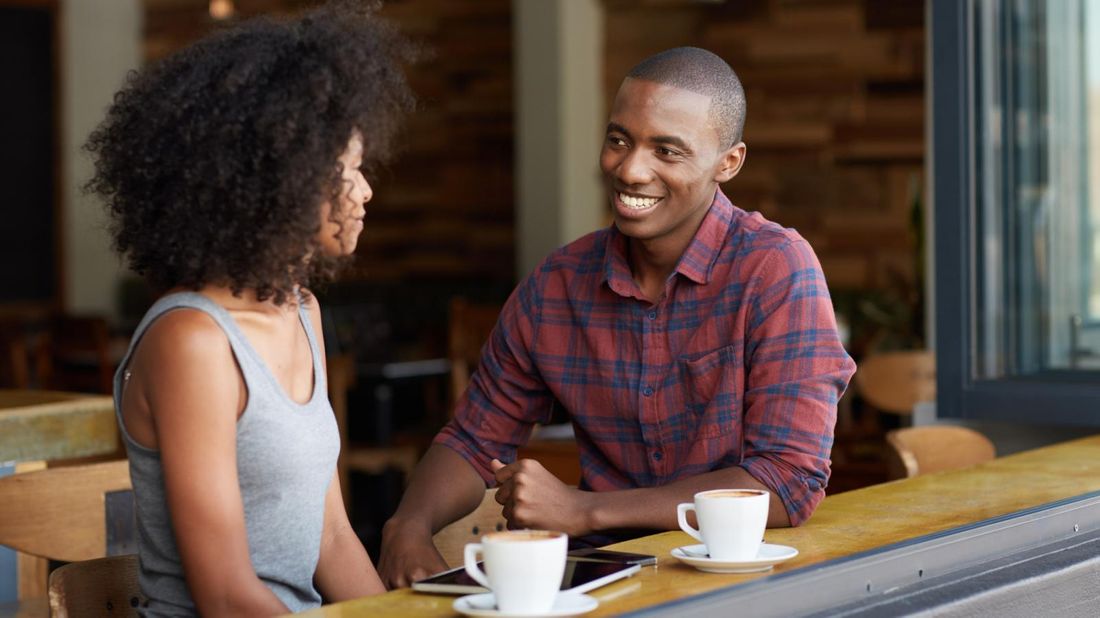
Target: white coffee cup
523 568
731 521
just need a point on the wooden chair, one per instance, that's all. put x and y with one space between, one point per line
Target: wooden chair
76 355
891 383
366 459
451 540
15 369
99 588
934 448
894 382
69 514
469 327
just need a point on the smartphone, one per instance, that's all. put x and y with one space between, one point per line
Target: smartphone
607 555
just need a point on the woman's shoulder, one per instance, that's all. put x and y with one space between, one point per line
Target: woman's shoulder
183 335
185 361
311 304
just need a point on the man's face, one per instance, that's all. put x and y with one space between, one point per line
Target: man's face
662 160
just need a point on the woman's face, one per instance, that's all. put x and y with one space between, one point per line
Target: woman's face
342 223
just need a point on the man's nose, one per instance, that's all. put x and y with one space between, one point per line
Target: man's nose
634 169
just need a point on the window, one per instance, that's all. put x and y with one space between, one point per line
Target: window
1092 119
1016 176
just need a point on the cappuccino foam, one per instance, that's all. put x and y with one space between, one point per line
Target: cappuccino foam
519 536
733 493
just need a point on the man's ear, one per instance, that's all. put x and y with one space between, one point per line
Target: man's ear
731 162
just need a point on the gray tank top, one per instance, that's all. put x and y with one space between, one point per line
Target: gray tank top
286 457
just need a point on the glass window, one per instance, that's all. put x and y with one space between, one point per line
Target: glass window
1016 168
1092 114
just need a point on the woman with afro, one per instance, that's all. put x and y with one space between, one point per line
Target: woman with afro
232 174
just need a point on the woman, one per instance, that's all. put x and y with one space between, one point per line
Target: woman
231 173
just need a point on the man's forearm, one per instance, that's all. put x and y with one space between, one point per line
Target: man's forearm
443 488
656 507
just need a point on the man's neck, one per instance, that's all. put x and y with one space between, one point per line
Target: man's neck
650 269
653 260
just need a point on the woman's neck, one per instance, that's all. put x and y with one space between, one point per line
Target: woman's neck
245 300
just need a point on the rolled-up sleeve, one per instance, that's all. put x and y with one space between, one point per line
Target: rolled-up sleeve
505 396
797 371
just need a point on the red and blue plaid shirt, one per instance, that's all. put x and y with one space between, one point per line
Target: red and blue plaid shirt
739 364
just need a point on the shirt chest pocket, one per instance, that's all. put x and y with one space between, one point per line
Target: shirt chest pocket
714 385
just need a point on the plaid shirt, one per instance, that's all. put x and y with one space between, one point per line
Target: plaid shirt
739 364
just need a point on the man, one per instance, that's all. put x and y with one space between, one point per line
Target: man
692 344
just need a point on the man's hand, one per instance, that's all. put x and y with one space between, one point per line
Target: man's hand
535 498
407 556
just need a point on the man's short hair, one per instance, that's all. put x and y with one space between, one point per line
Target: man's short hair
702 72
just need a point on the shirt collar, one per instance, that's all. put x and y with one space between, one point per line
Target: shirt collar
702 252
698 259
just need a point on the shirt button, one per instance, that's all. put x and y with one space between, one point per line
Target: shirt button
647 391
653 315
657 455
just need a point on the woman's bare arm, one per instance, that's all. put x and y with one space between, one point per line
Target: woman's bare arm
193 389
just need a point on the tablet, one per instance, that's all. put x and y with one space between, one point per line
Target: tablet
581 575
607 555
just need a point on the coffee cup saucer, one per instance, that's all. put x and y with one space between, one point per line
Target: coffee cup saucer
485 605
768 556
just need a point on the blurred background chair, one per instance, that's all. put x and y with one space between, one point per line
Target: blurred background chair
894 382
98 588
469 327
451 540
75 355
368 459
68 513
934 448
15 366
889 385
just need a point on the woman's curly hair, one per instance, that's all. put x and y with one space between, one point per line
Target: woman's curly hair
214 162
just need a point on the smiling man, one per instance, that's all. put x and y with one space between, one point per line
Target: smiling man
692 345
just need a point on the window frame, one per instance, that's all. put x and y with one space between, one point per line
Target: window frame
1051 397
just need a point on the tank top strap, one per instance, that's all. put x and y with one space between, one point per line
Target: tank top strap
319 377
247 358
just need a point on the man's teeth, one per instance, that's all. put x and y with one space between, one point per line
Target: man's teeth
637 203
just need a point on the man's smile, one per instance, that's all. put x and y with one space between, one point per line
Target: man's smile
636 202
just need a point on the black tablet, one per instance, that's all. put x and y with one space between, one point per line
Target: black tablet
607 555
581 575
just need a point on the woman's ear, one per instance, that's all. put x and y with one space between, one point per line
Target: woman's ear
731 162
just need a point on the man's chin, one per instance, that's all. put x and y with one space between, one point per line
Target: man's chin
632 228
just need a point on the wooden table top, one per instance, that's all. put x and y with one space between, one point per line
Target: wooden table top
843 525
45 425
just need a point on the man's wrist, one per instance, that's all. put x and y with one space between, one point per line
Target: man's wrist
596 516
398 526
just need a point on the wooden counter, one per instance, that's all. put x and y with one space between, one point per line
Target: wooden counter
47 425
844 524
36 426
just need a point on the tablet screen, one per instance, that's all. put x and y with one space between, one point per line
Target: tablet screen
580 576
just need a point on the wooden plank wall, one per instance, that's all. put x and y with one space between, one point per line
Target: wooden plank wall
447 209
443 208
835 126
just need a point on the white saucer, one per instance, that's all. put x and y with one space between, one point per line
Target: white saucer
769 555
565 604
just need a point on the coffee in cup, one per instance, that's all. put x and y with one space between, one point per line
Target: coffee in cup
523 568
731 521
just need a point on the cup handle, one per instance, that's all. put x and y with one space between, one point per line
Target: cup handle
681 516
470 559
